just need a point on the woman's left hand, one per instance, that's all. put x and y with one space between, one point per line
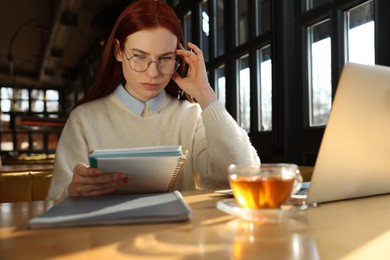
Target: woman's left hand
195 83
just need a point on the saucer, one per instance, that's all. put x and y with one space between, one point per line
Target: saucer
231 207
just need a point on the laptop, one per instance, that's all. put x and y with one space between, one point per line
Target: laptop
354 156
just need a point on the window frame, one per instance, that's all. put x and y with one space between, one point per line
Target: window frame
291 140
30 134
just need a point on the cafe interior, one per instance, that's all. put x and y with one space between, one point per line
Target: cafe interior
275 66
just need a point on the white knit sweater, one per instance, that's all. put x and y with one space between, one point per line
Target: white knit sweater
212 137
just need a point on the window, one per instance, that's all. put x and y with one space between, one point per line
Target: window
219 29
276 69
19 108
360 36
221 84
205 32
235 37
52 98
334 32
320 85
242 22
244 92
264 100
20 100
263 13
359 46
6 100
37 100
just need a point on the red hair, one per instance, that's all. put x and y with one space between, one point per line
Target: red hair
141 15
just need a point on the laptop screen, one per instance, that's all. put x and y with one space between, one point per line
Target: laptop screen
355 149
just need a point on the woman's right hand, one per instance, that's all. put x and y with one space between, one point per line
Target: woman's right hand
195 83
88 181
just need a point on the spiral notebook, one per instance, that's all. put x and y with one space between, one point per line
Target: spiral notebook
149 169
114 210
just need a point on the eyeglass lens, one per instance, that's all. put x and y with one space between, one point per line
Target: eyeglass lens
165 66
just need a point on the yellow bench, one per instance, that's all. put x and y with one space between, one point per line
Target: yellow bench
24 186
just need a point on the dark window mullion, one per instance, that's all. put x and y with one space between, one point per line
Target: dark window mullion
337 45
253 67
231 75
382 32
212 35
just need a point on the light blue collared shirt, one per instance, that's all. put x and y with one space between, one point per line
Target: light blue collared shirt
136 105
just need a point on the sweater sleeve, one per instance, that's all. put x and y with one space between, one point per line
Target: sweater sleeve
71 149
219 142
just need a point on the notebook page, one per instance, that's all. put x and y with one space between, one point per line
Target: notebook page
145 174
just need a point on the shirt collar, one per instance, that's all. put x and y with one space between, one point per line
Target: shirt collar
136 105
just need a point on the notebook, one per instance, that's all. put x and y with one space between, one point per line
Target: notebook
115 209
354 156
149 169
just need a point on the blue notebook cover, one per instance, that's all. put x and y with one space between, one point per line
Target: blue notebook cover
153 151
114 210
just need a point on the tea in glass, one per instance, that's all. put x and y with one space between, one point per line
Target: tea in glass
266 186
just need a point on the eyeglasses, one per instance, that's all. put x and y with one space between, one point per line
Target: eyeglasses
141 63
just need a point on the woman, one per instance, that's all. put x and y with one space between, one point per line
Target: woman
134 103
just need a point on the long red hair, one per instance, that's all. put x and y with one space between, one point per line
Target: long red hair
141 15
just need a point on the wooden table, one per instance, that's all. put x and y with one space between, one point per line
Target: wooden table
354 229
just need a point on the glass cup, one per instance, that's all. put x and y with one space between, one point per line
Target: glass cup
266 186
